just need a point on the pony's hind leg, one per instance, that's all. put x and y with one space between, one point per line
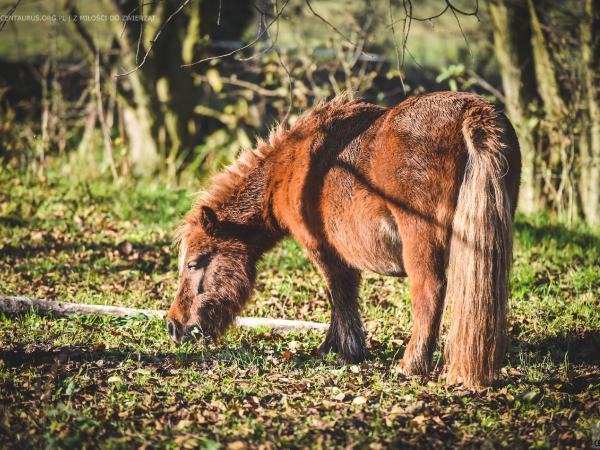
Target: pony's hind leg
424 265
345 336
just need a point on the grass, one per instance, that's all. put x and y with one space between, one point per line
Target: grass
89 382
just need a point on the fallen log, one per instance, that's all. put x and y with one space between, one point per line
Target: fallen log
12 305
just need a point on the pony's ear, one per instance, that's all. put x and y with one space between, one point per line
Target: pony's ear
209 219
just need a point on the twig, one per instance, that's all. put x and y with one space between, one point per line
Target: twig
141 33
9 14
461 31
328 23
244 47
153 41
406 27
396 47
475 12
448 6
105 130
487 86
261 25
81 30
12 305
290 86
246 84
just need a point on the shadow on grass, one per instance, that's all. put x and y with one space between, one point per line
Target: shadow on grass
536 234
576 349
20 357
13 221
147 258
243 355
581 350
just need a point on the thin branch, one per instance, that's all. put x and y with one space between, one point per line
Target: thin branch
105 129
392 24
267 49
245 84
140 36
244 47
290 86
153 41
475 12
462 31
407 21
83 32
141 33
449 6
424 19
328 23
408 8
480 81
9 14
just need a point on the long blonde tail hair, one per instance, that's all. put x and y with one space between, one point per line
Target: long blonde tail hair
480 256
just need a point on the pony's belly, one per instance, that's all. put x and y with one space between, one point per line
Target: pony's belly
374 245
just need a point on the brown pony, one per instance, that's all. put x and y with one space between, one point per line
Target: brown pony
428 185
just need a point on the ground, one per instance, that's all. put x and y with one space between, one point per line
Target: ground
87 382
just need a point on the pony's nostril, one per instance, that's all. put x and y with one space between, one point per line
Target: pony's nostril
173 330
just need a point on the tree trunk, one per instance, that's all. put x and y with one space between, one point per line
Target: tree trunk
590 157
158 98
137 90
511 31
558 151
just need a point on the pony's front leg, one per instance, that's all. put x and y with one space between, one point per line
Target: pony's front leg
345 336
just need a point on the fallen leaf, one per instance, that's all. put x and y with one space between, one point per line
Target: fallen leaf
360 400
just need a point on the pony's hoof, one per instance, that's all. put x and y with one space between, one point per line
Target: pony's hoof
401 367
327 347
405 368
343 358
351 359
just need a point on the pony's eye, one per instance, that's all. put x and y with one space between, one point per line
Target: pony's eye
198 263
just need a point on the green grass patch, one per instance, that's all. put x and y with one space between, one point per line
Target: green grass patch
114 382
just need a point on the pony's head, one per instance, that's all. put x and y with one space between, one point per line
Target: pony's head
216 275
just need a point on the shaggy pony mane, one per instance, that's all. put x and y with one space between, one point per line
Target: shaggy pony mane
223 184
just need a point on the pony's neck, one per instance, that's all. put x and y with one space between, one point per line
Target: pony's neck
245 204
247 207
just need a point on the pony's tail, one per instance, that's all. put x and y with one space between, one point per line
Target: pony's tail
480 255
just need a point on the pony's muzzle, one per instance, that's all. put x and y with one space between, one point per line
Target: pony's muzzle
180 333
176 330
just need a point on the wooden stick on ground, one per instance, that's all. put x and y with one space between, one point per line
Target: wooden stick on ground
19 305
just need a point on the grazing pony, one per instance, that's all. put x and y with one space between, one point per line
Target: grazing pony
426 189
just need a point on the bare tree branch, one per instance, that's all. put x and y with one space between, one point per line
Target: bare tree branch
395 40
462 31
244 47
408 9
246 85
158 33
141 33
261 25
328 23
8 15
81 30
449 6
108 147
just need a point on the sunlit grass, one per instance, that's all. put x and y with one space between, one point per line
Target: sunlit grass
114 382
